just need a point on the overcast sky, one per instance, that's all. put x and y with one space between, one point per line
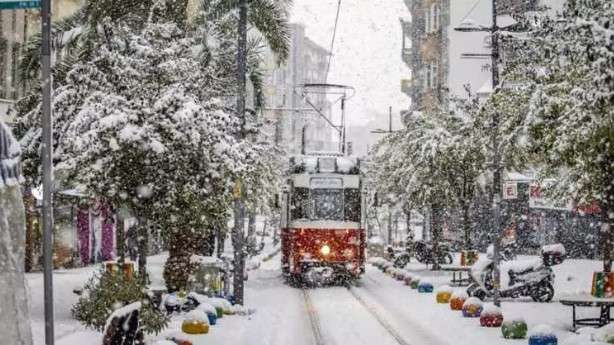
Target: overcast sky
367 51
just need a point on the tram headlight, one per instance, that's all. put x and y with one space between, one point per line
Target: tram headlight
325 250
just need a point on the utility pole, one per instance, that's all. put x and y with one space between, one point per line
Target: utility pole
238 235
496 197
47 152
496 164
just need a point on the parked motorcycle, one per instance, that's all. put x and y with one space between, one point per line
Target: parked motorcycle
530 278
423 251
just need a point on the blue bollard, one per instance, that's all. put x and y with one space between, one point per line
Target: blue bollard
546 339
425 287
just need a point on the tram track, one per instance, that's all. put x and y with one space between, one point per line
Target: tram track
313 319
378 317
373 313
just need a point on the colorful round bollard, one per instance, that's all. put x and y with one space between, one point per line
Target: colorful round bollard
195 322
514 329
425 287
401 275
415 282
542 335
408 279
444 294
472 307
491 316
457 300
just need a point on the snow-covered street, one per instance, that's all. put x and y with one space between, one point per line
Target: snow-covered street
377 309
306 172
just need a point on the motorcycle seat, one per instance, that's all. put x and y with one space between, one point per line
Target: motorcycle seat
522 268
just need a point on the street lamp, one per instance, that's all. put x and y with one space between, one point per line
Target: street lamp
472 26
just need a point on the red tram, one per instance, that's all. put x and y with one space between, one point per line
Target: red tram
323 217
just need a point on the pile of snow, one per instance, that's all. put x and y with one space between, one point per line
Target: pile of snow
241 310
542 331
462 294
221 303
207 308
473 301
197 316
445 289
491 310
514 319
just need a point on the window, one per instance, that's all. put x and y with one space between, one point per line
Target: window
435 17
427 78
431 76
352 205
327 204
300 203
427 22
434 75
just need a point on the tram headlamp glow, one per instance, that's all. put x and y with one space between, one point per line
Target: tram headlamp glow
325 250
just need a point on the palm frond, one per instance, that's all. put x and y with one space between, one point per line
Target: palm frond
270 17
29 65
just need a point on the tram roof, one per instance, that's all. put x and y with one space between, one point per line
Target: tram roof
321 163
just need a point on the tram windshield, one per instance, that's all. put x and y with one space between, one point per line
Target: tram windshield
327 204
326 200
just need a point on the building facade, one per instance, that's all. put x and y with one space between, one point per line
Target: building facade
16 28
425 51
286 103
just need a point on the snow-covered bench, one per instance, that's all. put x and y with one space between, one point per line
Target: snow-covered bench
586 300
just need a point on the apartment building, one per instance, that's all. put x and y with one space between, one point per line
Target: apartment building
286 105
16 28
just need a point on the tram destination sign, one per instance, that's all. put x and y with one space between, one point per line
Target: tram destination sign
17 4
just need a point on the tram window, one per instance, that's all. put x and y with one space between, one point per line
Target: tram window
352 205
300 203
327 204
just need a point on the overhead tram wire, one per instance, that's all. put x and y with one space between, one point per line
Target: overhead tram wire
471 10
332 42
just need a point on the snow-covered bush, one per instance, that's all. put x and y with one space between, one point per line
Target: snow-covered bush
106 292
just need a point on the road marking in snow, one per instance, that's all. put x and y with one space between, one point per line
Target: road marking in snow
379 318
313 318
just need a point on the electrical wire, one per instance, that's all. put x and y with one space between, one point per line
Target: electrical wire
471 10
332 43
